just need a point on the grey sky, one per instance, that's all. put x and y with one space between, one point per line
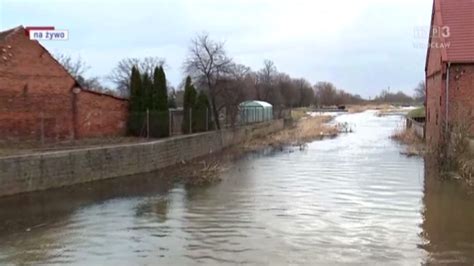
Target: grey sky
361 46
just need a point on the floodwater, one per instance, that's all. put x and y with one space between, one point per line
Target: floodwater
349 200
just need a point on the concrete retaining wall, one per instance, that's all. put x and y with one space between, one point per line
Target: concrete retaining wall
418 127
55 169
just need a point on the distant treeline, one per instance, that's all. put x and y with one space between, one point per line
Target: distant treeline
326 94
226 83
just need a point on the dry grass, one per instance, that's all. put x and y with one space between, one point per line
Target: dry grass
391 110
383 109
454 153
405 136
466 168
299 113
414 145
203 173
358 108
306 129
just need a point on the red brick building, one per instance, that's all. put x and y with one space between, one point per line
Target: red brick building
38 97
450 68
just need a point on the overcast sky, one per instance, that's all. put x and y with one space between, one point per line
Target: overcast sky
362 46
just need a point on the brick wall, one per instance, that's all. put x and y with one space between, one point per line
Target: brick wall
100 115
31 83
434 93
461 95
55 169
461 101
434 108
36 97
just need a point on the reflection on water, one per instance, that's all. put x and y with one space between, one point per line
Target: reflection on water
353 199
448 224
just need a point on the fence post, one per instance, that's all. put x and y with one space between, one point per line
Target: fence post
190 120
147 123
42 128
170 124
207 119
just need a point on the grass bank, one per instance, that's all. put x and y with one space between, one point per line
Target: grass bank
417 113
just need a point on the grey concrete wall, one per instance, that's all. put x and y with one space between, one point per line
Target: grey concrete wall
41 171
418 128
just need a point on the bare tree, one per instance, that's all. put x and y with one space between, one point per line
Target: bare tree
207 63
305 92
239 71
326 93
283 91
420 91
266 80
394 97
120 75
75 67
95 84
234 88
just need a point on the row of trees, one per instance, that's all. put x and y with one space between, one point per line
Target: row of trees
224 84
227 83
243 83
148 103
326 94
394 97
402 98
196 107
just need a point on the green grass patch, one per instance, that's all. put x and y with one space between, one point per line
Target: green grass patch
419 112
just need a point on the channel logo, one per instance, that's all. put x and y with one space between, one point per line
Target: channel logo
48 33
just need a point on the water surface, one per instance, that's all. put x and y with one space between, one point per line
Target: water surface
349 200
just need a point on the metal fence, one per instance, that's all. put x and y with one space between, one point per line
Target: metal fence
62 124
48 122
155 124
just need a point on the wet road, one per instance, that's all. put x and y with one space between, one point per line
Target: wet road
349 200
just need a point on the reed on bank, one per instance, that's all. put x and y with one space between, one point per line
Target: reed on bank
304 130
206 170
407 136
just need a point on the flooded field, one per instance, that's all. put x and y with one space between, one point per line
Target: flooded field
349 200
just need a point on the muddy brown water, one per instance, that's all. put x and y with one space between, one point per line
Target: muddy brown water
349 200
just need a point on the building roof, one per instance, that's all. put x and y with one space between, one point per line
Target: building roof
457 16
107 94
6 33
255 104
